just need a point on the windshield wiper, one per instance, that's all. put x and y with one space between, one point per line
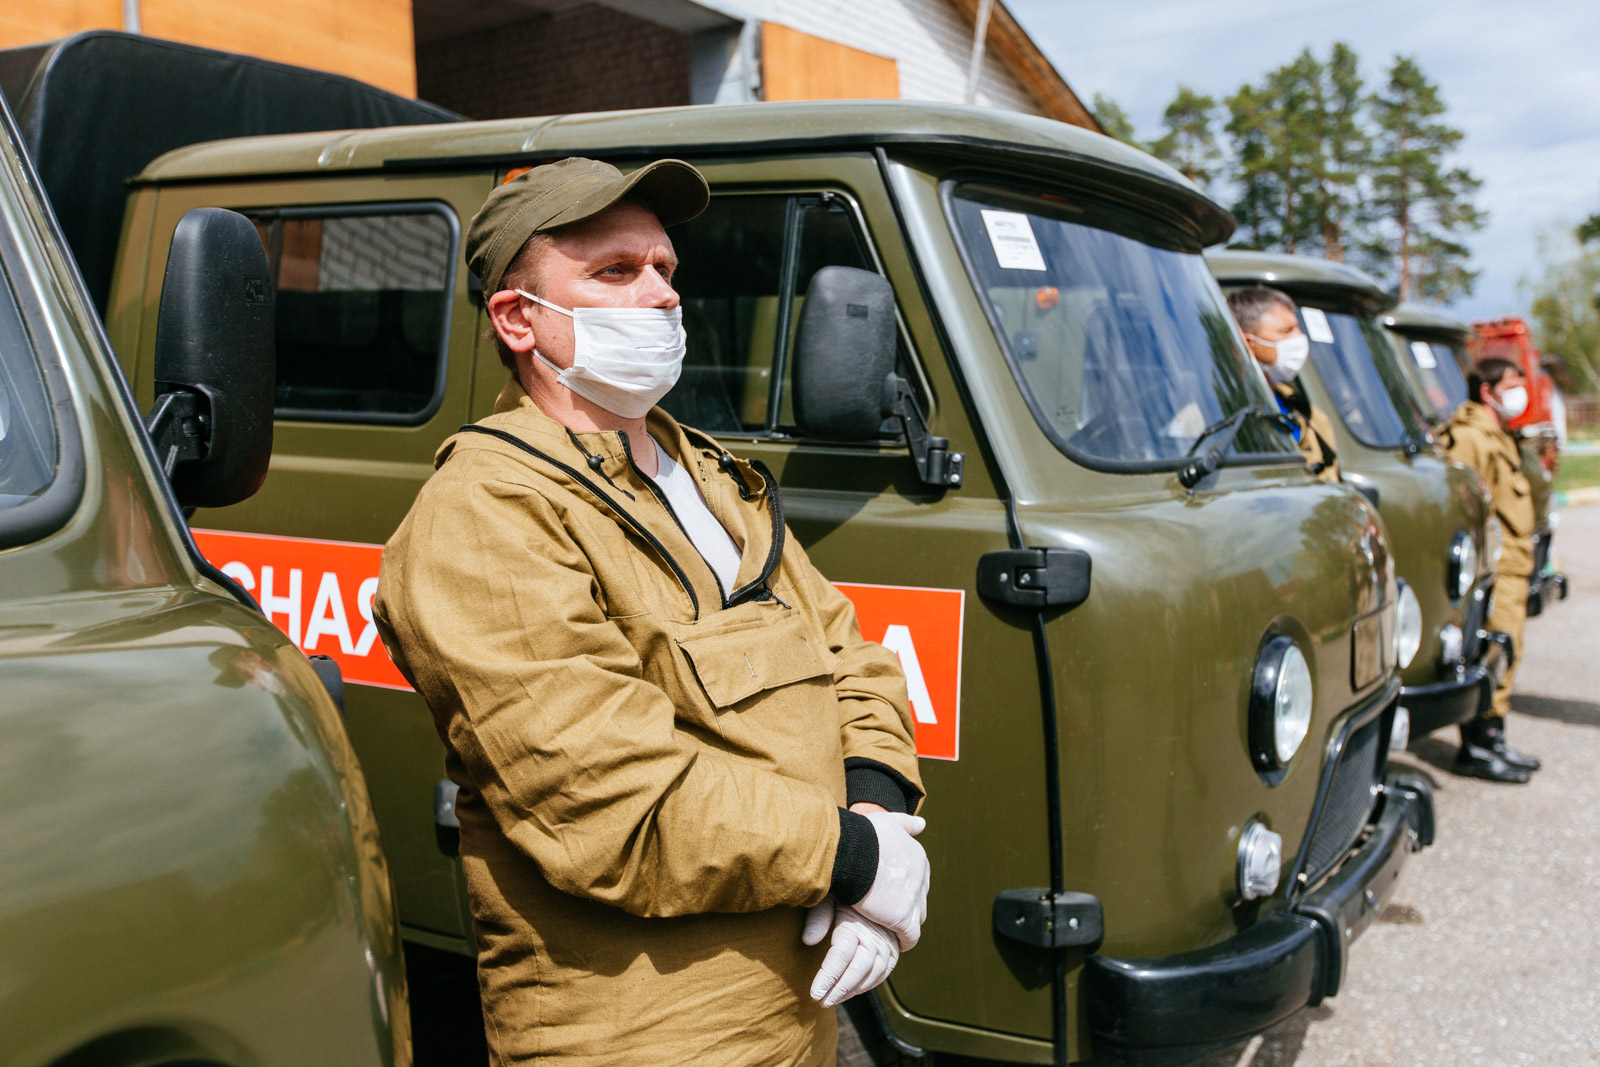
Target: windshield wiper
1192 472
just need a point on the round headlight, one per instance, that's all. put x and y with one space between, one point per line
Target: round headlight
1280 704
1463 570
1407 627
1400 732
1260 861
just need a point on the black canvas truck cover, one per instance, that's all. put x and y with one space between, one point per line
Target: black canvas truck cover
96 107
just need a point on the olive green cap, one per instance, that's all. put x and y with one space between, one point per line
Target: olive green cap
571 190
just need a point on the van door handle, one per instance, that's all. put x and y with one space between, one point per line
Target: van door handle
1035 577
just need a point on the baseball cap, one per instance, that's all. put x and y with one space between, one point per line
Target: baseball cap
571 190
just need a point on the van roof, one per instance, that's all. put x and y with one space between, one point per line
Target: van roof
1309 276
727 129
1421 319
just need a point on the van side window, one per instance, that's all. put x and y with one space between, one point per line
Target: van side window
744 267
363 311
28 445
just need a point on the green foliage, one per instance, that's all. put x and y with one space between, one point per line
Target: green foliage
1300 147
1423 207
1114 120
1589 228
1565 318
1190 140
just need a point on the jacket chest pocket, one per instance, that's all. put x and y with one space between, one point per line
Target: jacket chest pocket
735 665
770 690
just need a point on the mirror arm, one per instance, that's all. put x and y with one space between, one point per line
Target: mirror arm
936 464
180 427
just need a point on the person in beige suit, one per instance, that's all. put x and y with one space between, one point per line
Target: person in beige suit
1280 347
687 785
1476 437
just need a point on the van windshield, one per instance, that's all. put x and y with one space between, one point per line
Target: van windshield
1357 366
1440 375
1113 326
27 431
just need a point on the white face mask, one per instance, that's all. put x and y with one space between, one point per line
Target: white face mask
623 359
1292 352
1513 402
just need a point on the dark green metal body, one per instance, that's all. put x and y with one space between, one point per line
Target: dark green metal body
192 871
1145 731
1424 497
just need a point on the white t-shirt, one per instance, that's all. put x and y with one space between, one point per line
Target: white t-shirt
716 547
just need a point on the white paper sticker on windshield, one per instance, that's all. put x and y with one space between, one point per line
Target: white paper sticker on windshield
1423 355
1011 237
1317 327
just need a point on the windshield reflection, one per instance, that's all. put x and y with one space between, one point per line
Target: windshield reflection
1115 329
1357 366
1439 374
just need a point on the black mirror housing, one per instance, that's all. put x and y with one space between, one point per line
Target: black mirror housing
215 361
843 354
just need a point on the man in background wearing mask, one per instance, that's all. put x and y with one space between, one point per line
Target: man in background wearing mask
1476 437
1267 317
686 782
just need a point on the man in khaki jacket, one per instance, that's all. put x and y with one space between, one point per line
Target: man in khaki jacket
1267 317
680 766
1476 437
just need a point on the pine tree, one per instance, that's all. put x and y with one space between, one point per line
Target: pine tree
1276 132
1114 120
1424 206
1344 151
1190 140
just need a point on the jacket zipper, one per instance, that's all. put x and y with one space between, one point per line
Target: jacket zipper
655 491
638 527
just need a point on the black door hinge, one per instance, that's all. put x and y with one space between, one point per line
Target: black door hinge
1035 577
1050 920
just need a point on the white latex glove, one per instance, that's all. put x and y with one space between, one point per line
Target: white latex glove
898 899
861 957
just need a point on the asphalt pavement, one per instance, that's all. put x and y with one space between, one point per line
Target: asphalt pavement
1489 951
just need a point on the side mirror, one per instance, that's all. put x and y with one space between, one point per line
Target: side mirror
843 354
844 379
215 361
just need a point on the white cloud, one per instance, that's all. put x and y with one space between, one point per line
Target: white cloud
1522 80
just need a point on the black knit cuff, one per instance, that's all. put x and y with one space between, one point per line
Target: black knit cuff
855 865
878 783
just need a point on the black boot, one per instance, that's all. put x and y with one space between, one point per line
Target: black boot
1495 731
1478 759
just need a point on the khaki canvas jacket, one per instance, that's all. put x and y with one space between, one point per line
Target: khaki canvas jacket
1473 438
650 776
1316 430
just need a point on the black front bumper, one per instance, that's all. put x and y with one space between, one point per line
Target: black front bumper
1156 1009
1466 694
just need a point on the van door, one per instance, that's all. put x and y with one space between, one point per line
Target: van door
905 552
376 336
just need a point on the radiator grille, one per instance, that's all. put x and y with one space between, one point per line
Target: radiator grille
1349 799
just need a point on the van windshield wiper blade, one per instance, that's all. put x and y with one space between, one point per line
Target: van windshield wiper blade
1225 430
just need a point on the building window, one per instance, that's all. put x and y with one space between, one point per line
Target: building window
363 310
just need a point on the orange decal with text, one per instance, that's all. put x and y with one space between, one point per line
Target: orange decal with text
320 594
923 628
317 592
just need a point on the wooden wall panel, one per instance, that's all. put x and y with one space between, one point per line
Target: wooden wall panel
32 21
365 39
798 66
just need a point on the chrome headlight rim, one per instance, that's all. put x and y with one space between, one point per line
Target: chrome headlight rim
1463 569
1408 624
1282 699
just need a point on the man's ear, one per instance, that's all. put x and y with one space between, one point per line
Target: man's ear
508 316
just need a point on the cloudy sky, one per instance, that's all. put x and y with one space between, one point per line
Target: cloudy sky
1522 80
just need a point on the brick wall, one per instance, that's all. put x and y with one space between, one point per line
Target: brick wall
584 58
